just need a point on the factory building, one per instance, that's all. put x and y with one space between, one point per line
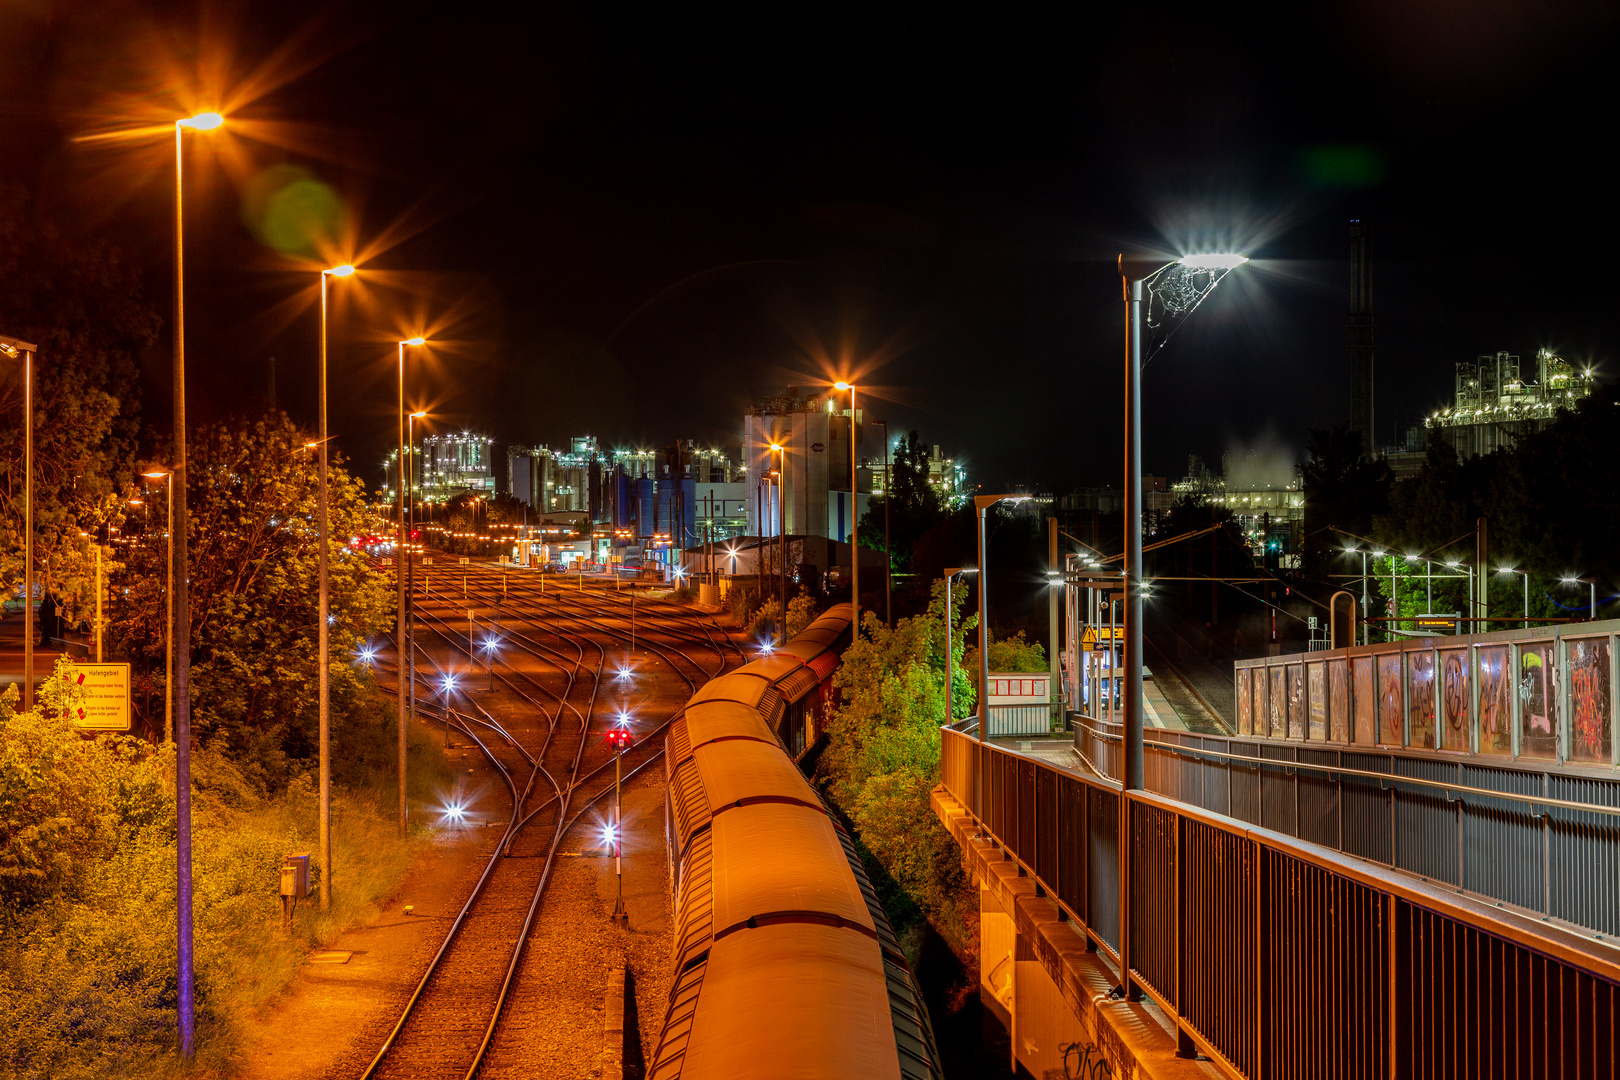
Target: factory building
447 466
1497 401
813 432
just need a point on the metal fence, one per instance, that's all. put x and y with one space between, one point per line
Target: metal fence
1542 839
1279 958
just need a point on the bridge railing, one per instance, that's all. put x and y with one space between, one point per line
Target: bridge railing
1545 839
1278 957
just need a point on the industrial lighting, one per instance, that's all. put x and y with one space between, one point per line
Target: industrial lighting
1213 261
340 271
414 341
841 386
453 812
205 121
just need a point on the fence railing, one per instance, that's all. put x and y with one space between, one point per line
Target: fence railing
1278 957
1543 839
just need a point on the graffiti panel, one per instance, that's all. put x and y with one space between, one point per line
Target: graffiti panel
1495 700
1245 705
1420 697
1296 701
1339 699
1454 700
1589 698
1279 703
1366 699
1538 701
1262 682
1316 695
1390 721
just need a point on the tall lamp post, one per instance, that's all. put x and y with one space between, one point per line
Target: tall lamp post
780 473
323 617
620 739
888 496
14 348
854 515
1137 278
409 473
951 573
401 632
981 504
168 593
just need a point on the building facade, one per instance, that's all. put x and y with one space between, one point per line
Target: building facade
813 432
1497 401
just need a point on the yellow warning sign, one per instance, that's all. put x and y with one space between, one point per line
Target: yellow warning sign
105 703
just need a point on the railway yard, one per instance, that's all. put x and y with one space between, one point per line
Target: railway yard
525 676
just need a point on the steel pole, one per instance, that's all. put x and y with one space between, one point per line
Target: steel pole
781 547
168 660
1527 600
1366 628
28 517
1131 766
854 523
402 645
324 678
984 668
98 602
182 639
950 710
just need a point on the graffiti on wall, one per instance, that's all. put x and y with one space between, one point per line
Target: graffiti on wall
1366 700
1390 721
1538 701
1495 702
1589 699
1454 680
1420 700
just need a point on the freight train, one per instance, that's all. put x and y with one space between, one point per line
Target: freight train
785 964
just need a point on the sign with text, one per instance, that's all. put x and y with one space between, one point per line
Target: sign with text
105 704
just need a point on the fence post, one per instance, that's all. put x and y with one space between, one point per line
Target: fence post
1184 1042
1261 981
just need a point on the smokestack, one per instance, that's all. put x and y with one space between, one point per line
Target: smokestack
1361 337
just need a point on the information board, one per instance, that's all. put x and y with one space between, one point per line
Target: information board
105 704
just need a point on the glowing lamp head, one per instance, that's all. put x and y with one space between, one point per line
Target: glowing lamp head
1213 261
1569 580
843 385
203 121
418 415
454 812
154 475
340 271
414 341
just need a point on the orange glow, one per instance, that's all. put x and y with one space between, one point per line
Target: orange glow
841 385
418 415
203 121
414 341
340 271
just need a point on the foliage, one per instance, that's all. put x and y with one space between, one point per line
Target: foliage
882 757
767 617
1549 506
87 892
254 571
802 611
81 305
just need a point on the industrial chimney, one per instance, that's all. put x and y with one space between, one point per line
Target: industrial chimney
1361 337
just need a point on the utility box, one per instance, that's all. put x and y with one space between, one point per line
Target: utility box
295 876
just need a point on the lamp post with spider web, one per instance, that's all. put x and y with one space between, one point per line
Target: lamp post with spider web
1158 295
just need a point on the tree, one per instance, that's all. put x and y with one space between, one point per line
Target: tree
914 507
1343 488
254 568
82 306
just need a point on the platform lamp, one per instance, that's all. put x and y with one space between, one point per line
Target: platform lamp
981 505
1525 574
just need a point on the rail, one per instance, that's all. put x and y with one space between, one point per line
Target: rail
1278 957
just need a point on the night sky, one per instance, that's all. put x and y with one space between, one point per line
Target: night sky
631 222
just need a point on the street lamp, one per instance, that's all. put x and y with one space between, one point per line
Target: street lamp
982 503
854 516
14 348
1592 586
401 631
185 991
1179 289
325 636
408 471
951 573
168 593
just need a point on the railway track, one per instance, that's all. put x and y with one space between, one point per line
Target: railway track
553 696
